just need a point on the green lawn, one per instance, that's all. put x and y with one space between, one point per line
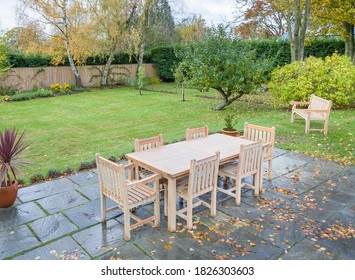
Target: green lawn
68 130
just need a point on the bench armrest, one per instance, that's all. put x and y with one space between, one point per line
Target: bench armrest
316 111
295 103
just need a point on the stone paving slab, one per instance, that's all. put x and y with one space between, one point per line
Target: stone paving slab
90 213
311 250
16 241
52 227
101 238
19 215
336 235
84 178
62 249
45 189
92 191
58 202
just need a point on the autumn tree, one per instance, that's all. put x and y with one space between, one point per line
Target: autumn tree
192 29
260 19
68 19
112 19
220 62
336 17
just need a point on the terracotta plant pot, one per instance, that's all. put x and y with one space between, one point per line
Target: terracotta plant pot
230 132
8 195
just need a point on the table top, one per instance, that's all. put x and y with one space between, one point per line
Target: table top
174 159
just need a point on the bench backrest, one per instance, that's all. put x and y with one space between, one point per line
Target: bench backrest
318 103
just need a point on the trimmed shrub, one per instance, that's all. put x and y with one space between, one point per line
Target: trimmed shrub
31 95
54 173
166 61
37 178
332 78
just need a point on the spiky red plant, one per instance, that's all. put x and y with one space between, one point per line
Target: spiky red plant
12 147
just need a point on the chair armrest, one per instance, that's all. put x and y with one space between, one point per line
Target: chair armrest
149 179
130 166
266 144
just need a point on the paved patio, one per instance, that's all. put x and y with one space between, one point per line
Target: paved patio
307 212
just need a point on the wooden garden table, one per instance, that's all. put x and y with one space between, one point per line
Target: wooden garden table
173 161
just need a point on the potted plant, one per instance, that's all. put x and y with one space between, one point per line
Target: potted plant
12 147
229 129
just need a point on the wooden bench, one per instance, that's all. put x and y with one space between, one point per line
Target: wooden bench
318 110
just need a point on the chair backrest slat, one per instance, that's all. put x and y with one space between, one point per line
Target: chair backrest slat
112 179
250 159
256 133
195 133
203 175
148 143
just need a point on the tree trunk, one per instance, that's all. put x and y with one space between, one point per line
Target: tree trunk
104 79
349 41
297 22
140 57
76 73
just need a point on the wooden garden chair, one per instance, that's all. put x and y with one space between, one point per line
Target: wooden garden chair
127 194
249 164
267 136
147 144
202 179
318 110
195 133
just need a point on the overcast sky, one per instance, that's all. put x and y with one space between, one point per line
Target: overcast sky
211 10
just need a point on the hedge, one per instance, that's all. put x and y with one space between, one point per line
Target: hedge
166 60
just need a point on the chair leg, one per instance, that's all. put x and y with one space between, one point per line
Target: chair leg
257 178
166 200
225 179
157 205
189 213
238 191
270 169
307 126
126 225
326 123
292 117
103 208
214 202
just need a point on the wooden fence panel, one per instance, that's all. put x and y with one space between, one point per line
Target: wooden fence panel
27 78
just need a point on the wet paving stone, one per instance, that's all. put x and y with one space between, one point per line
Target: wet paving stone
52 227
63 249
101 238
338 235
344 182
84 178
285 164
324 169
164 245
15 241
349 210
239 215
264 202
90 213
61 201
278 152
19 215
92 192
45 189
287 188
282 228
311 250
309 178
127 251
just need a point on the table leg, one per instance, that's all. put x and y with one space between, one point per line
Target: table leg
171 204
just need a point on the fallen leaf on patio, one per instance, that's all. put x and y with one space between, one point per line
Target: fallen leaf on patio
192 249
12 232
316 171
153 252
168 247
252 244
37 258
